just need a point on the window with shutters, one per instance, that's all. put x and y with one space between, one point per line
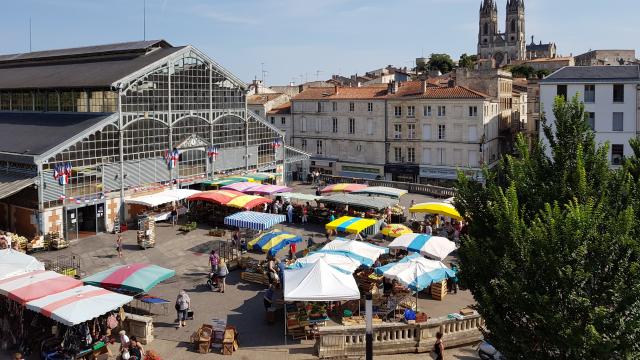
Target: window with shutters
411 155
426 156
304 125
590 93
397 111
426 111
334 125
618 121
442 111
370 107
369 126
318 125
441 156
411 111
457 157
397 152
473 111
618 93
617 154
473 158
303 144
426 132
283 120
273 120
352 106
334 106
352 126
591 120
473 133
397 131
411 131
319 147
442 132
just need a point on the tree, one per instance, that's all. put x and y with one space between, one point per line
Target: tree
441 62
551 255
467 61
542 73
522 71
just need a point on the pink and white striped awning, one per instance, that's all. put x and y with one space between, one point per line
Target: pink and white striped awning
78 305
36 284
269 189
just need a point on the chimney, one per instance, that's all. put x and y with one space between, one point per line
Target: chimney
451 83
256 86
424 86
335 90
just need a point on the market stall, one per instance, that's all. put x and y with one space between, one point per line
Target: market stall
241 186
436 247
338 260
300 197
317 283
273 241
254 220
261 176
366 253
353 225
269 189
343 188
136 278
248 202
437 208
77 305
35 284
159 204
360 201
381 191
417 273
395 230
14 263
215 196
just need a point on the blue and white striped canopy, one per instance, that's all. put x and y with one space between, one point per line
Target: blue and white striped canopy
416 272
254 220
436 247
364 252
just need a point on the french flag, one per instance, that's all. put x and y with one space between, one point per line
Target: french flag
276 143
213 152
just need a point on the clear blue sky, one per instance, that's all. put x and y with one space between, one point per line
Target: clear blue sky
300 37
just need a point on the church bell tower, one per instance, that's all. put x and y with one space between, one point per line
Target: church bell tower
488 28
515 34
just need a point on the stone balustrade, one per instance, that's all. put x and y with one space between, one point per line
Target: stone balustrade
432 190
397 338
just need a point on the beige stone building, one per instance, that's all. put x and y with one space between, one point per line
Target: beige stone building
342 128
280 117
606 57
435 131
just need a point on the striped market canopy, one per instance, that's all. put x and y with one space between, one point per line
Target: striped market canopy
343 188
382 190
216 196
254 220
133 278
432 246
248 201
77 305
353 225
261 176
269 189
364 252
36 284
416 272
273 241
241 186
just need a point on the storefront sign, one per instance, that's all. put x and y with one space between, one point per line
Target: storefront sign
447 173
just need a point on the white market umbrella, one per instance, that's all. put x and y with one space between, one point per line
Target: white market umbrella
436 247
319 282
366 253
340 261
416 272
15 263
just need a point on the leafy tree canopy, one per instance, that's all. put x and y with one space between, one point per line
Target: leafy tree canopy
442 62
552 252
467 61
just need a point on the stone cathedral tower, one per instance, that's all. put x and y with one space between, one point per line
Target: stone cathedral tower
503 47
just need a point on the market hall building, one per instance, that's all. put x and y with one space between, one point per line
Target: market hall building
83 129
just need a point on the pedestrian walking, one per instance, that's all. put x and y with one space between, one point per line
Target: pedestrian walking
268 297
413 215
214 259
174 216
290 213
305 211
119 245
183 304
223 271
438 347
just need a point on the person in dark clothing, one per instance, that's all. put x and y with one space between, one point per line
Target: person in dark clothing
438 347
136 351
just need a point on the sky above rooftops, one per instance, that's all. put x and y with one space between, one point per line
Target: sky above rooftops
306 40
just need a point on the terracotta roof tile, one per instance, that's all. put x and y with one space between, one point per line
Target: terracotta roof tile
282 109
261 99
343 93
414 89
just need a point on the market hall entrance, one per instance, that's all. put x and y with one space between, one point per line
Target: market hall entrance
85 221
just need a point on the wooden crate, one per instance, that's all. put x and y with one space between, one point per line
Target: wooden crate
439 290
255 278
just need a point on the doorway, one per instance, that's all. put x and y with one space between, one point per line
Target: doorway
84 221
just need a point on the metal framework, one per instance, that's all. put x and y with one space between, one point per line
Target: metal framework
186 102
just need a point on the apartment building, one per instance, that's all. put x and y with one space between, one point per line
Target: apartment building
343 129
280 117
432 132
610 95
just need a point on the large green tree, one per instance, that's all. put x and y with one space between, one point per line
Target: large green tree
441 62
468 61
552 251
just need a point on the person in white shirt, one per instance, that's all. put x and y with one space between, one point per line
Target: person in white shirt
290 212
